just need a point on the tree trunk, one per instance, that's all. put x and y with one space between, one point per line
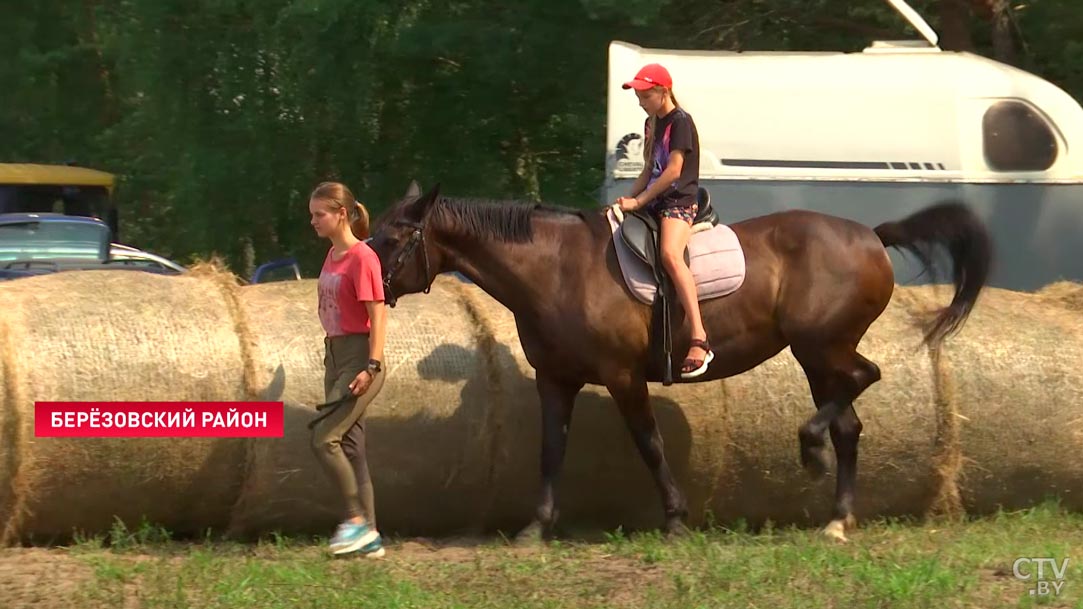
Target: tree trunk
525 167
1003 43
111 110
955 26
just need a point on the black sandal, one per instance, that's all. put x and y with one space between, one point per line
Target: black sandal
691 368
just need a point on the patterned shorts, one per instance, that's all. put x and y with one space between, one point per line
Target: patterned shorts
686 213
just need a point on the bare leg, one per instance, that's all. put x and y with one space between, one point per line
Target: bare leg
675 236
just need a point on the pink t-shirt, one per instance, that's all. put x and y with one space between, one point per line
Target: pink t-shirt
344 287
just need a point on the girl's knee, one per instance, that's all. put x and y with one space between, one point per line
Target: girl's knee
325 446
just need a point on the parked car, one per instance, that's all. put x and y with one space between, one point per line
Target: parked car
56 237
284 269
40 243
125 255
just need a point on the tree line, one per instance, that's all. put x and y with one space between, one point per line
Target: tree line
220 116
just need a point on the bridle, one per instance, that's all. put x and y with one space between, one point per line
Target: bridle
416 238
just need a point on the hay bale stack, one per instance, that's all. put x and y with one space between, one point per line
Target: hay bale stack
455 436
115 335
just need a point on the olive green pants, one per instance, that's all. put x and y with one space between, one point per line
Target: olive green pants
339 439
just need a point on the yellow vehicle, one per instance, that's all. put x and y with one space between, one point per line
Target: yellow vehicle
64 189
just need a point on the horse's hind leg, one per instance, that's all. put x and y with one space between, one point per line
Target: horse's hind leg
837 376
845 432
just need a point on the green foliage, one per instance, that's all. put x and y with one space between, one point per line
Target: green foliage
220 116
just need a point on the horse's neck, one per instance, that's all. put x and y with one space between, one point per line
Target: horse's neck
523 277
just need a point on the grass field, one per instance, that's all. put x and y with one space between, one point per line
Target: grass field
886 564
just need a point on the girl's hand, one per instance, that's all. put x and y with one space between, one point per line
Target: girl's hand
361 383
628 204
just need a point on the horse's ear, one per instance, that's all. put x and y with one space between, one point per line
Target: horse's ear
420 208
413 191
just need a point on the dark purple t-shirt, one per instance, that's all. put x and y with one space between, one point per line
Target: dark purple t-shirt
675 131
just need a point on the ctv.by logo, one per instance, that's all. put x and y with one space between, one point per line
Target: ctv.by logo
1023 569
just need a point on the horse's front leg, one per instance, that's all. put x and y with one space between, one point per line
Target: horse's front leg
557 402
633 400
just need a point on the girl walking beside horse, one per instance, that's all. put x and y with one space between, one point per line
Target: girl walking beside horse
351 310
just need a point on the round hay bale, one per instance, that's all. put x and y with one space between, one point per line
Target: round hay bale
115 335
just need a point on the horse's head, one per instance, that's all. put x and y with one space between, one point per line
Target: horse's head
409 263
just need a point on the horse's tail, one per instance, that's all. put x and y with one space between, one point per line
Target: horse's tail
957 229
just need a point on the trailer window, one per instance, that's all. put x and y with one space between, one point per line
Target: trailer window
1016 138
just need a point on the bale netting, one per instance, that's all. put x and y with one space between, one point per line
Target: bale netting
454 438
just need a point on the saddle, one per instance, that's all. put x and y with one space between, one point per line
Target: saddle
640 230
713 254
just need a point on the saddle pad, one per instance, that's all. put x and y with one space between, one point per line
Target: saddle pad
715 257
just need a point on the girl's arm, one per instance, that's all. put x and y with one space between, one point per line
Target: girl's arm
378 330
669 175
641 181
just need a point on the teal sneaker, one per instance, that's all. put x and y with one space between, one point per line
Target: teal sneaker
375 549
350 537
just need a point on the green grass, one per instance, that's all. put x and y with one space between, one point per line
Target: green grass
886 564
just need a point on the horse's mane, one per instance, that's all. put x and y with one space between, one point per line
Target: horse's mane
508 221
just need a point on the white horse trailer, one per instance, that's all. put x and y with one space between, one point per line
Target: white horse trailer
873 136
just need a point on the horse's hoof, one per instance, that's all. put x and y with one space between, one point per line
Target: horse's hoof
836 532
533 534
836 529
815 463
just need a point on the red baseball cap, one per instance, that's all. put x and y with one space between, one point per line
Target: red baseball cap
650 75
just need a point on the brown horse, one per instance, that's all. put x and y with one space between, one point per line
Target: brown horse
813 281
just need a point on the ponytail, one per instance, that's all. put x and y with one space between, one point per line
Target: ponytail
360 223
